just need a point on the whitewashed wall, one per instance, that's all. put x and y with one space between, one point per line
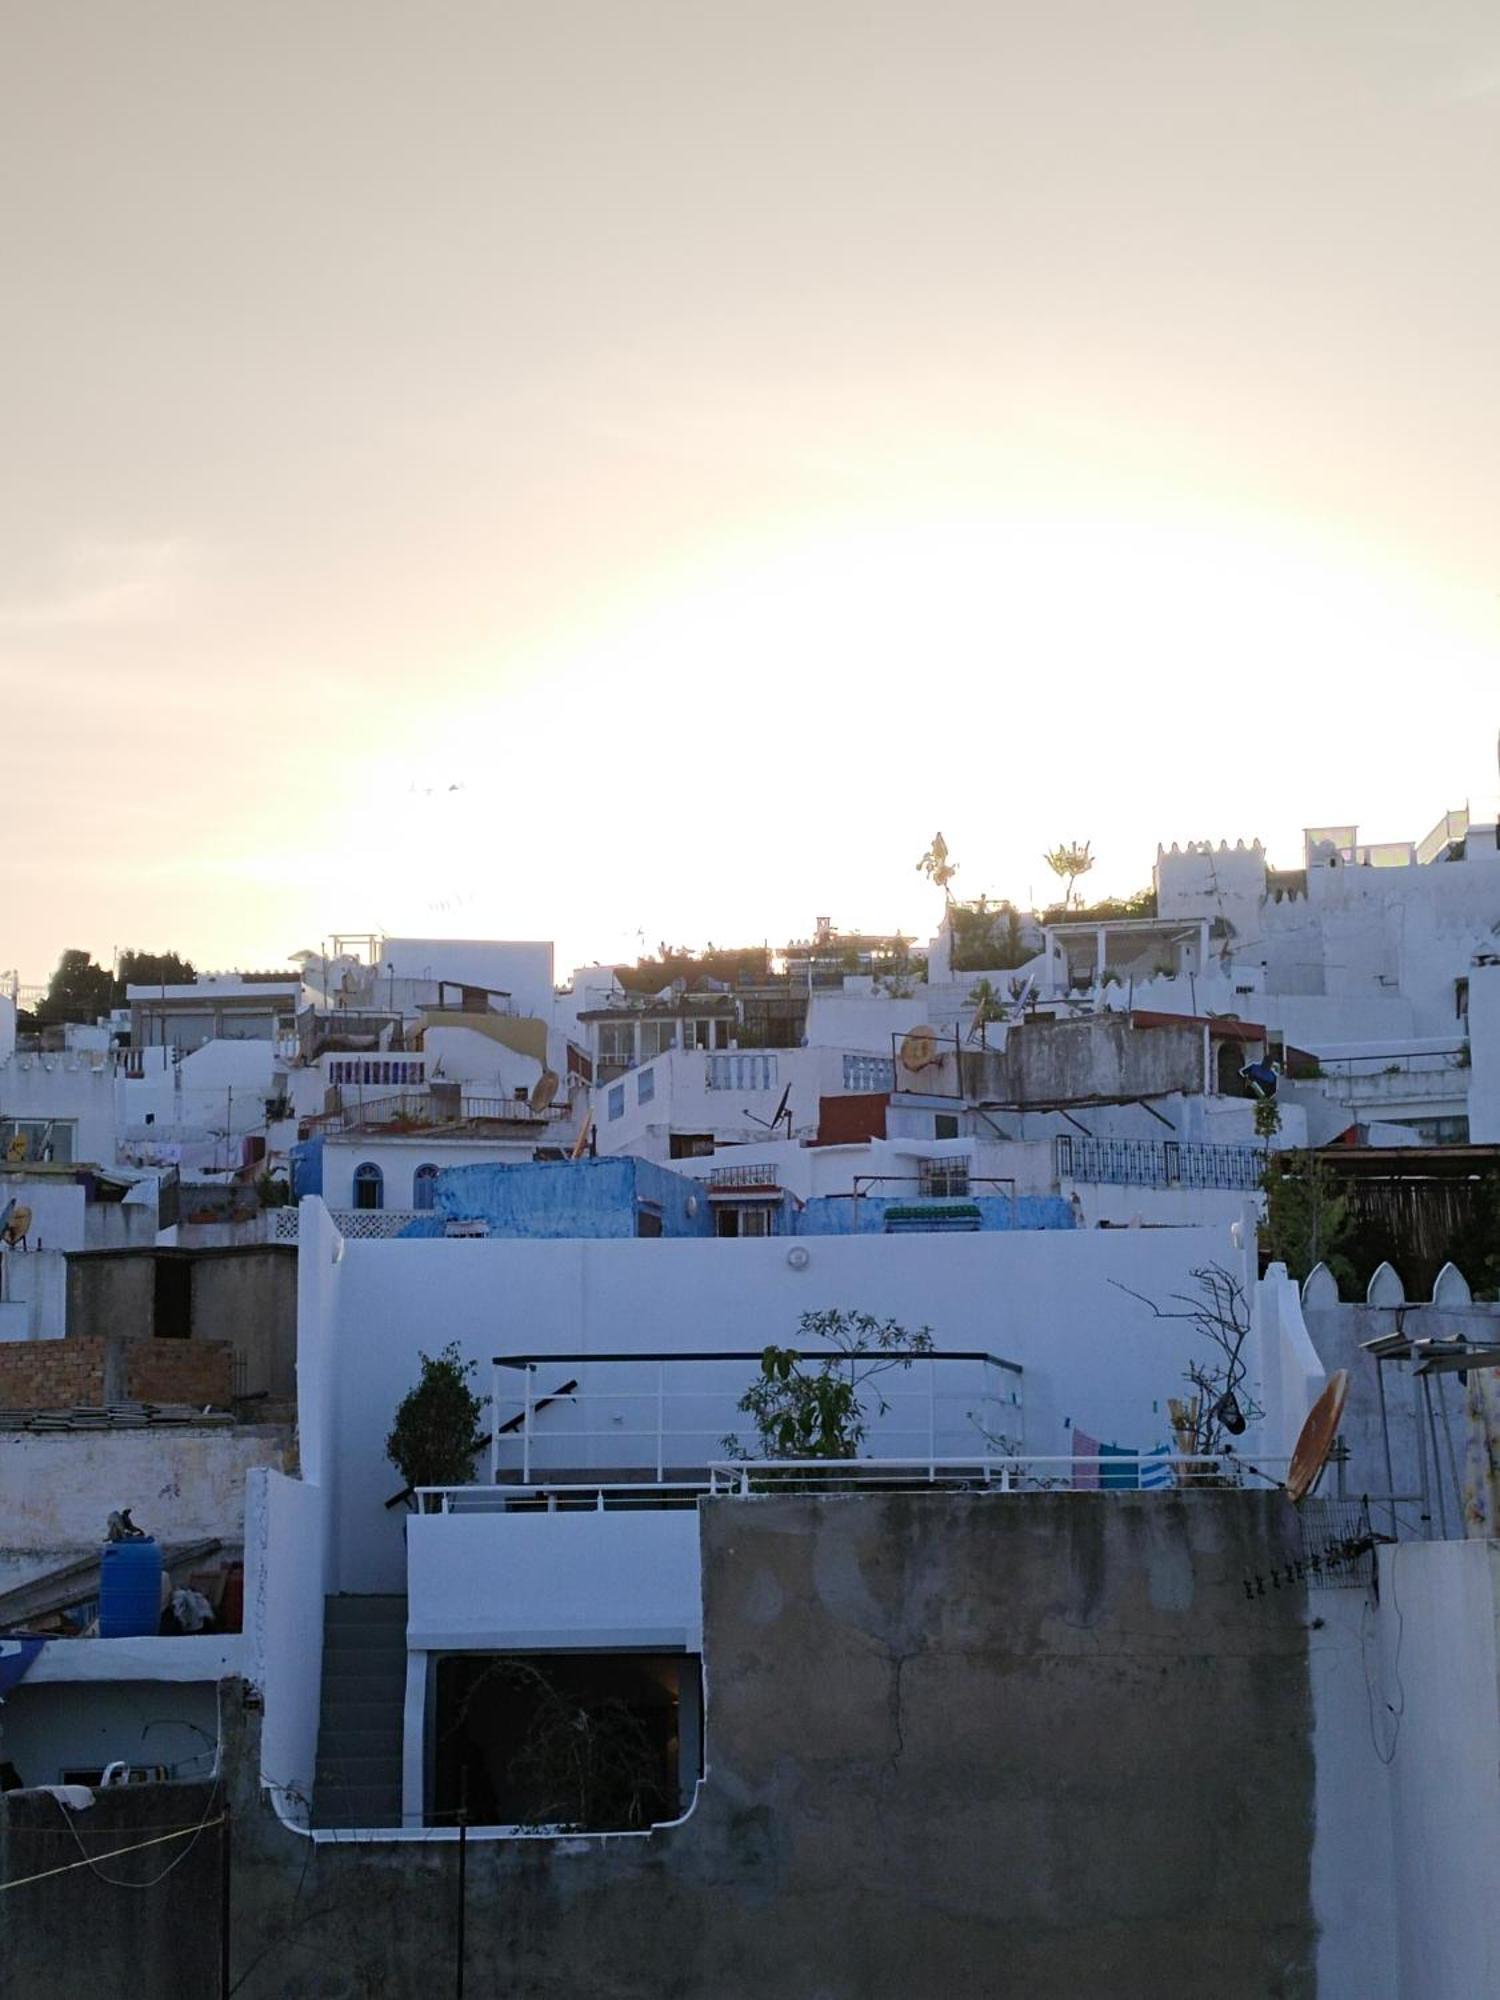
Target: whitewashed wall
1049 1300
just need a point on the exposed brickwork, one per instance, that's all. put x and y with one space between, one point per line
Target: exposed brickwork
56 1374
45 1374
179 1371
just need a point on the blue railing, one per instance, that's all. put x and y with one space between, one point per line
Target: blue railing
869 1073
1158 1163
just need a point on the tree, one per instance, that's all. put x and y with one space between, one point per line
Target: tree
936 866
1220 1407
1068 863
437 1429
151 968
802 1410
79 990
1307 1220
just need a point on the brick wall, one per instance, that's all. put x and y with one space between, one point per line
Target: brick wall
90 1369
43 1374
179 1371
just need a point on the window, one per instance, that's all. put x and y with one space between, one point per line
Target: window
944 1125
697 1034
423 1185
941 1179
648 1220
369 1185
46 1139
645 1085
617 1043
617 1101
1461 999
744 1219
656 1038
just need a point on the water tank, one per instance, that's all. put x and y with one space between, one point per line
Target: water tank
129 1590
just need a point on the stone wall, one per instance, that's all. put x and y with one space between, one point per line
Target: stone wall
959 1745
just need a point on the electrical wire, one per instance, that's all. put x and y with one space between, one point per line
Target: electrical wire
176 1862
89 1860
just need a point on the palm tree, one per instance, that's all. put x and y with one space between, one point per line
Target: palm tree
1067 864
936 866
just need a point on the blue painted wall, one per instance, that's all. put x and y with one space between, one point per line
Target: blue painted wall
839 1215
566 1199
307 1167
569 1199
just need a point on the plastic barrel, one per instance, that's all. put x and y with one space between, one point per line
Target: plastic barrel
129 1590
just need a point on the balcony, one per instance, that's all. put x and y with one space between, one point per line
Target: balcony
754 1179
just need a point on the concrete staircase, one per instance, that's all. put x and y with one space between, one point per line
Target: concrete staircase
358 1780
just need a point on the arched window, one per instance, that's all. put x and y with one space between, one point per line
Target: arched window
422 1185
369 1186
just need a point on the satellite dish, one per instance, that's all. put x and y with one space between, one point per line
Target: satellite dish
17 1223
1317 1436
919 1048
16 1147
544 1090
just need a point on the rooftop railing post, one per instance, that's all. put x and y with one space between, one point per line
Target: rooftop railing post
931 1421
494 1425
526 1430
661 1419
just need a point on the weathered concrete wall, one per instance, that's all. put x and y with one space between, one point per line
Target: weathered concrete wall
1062 1062
247 1297
111 1294
57 1490
107 1930
961 1745
250 1300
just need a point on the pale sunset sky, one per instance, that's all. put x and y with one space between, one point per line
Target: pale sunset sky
623 470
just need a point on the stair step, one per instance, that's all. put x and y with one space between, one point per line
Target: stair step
359 1805
333 1772
344 1613
339 1739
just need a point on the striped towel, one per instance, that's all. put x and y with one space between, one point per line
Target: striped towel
1085 1462
1157 1472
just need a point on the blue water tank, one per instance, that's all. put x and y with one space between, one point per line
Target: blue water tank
129 1590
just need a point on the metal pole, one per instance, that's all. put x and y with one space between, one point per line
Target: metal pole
1385 1436
224 1884
661 1415
1423 1457
526 1432
1437 1463
494 1425
931 1421
463 1869
1458 1489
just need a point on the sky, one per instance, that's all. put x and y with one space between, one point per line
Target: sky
628 473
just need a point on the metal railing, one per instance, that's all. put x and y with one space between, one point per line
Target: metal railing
1158 1163
742 1479
760 1176
423 1111
660 1411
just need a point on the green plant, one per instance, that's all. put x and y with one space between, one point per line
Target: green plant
814 1407
437 1430
1068 863
1307 1220
986 1002
273 1192
1221 1407
1267 1118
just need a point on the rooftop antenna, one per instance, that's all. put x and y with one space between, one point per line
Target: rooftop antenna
783 1112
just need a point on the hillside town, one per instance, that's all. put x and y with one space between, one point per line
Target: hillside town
493 1456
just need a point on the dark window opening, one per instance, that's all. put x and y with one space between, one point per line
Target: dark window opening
747 1220
648 1222
945 1125
369 1186
690 1145
597 1742
172 1305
